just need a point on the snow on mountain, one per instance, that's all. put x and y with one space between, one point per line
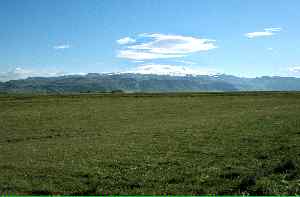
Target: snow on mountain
164 69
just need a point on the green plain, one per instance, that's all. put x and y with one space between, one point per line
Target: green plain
189 143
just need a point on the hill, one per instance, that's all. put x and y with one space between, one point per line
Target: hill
129 82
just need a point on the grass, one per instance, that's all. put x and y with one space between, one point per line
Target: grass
219 143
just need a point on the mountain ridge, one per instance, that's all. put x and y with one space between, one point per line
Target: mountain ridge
133 82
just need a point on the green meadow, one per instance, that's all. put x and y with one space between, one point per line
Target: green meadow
186 143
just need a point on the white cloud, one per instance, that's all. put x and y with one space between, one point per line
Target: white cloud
295 69
138 55
63 46
21 73
186 62
273 29
266 32
138 61
156 46
164 69
126 40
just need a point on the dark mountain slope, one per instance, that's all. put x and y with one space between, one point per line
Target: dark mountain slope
94 82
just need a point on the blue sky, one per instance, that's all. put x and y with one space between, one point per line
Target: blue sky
244 38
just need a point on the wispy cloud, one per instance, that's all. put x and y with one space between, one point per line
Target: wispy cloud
126 40
61 47
186 62
139 55
21 73
267 32
295 69
138 61
165 69
158 46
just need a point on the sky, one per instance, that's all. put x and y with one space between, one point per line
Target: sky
248 38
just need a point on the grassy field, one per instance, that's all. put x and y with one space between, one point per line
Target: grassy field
238 143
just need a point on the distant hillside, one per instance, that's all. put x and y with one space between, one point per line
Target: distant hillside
94 82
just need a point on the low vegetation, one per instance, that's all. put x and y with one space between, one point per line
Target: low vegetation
219 143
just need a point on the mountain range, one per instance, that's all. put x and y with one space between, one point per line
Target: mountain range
130 82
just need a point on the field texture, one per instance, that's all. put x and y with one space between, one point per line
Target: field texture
238 143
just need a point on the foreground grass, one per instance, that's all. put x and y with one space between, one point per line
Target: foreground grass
150 144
